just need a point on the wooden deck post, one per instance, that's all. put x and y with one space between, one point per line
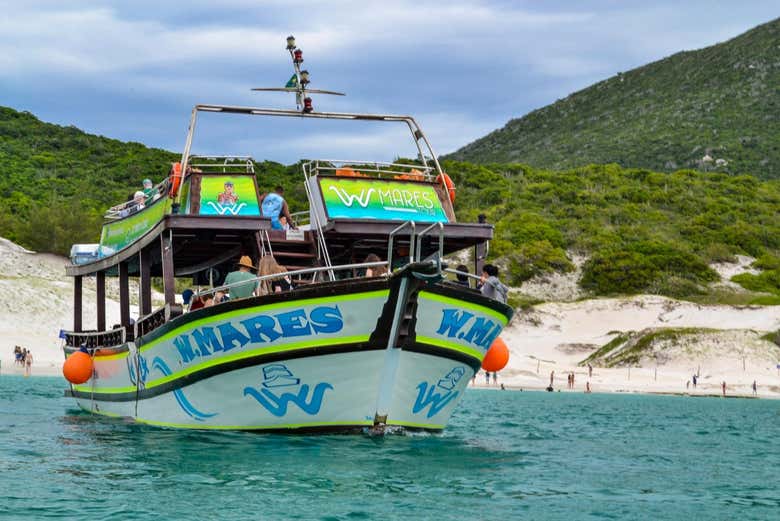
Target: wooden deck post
100 282
145 282
124 294
169 282
77 287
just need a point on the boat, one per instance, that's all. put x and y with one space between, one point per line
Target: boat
340 351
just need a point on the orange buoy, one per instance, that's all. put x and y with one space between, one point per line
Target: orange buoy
77 368
446 181
497 356
175 178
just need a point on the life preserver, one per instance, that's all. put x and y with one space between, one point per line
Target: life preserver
413 175
446 181
175 180
348 172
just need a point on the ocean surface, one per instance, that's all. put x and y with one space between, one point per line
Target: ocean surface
505 455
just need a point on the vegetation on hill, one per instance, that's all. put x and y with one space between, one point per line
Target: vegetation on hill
721 103
643 231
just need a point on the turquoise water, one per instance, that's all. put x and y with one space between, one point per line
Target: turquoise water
506 455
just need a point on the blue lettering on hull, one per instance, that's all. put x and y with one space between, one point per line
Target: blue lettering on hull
259 329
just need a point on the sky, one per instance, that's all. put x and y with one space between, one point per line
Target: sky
134 70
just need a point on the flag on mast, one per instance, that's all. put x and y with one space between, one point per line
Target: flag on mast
292 83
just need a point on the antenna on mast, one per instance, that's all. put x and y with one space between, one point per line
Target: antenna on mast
298 81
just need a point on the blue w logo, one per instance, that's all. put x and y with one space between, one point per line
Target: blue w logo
277 405
435 400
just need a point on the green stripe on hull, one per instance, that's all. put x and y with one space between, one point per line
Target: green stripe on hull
446 344
269 307
465 304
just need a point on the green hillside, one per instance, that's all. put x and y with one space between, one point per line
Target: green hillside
56 182
643 231
722 101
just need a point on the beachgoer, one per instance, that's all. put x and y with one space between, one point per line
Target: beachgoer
694 378
18 355
495 378
463 280
375 271
552 377
487 378
269 266
572 379
273 205
491 286
590 371
755 388
28 360
587 387
723 387
503 388
243 274
688 384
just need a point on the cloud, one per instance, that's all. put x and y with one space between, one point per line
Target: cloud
462 68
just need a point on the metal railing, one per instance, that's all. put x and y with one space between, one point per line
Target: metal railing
378 169
322 246
226 287
246 162
132 206
391 238
94 339
420 238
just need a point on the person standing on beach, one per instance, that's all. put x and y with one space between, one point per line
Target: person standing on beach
487 377
495 378
572 379
723 386
694 381
552 377
590 371
755 388
28 360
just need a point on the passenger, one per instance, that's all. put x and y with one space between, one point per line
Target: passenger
375 271
269 266
197 303
208 300
220 297
491 286
273 205
284 223
138 201
243 274
186 296
463 280
148 190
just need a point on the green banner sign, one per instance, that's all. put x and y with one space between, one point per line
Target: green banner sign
377 199
228 195
119 234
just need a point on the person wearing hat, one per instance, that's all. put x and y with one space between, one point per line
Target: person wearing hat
243 274
148 188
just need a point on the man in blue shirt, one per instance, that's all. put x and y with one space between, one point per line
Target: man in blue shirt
273 205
